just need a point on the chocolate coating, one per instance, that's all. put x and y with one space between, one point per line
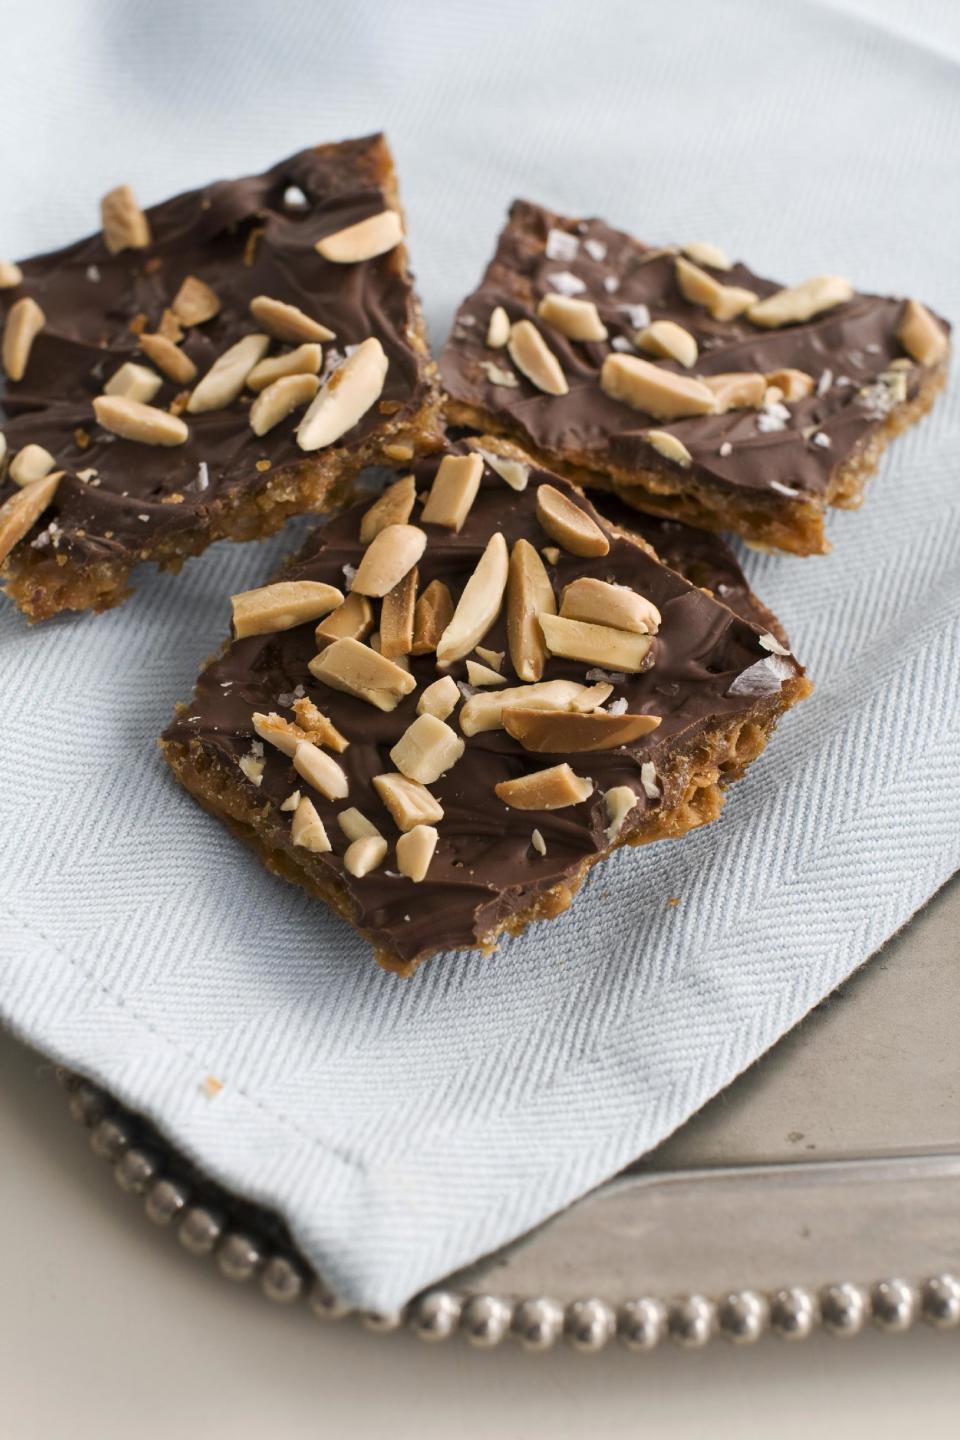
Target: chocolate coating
90 297
845 350
484 868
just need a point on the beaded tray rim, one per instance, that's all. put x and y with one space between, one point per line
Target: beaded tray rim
249 1244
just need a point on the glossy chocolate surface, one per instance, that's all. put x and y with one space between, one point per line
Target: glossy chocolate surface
485 867
243 238
771 456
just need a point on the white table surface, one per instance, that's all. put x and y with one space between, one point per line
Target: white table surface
108 1330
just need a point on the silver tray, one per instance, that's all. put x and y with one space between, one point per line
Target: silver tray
821 1189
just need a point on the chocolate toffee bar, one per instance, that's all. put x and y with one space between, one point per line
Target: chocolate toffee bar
460 696
204 370
686 383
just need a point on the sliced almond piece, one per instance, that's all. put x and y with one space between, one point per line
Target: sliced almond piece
23 510
307 828
281 606
356 826
485 711
252 766
30 464
358 670
660 393
195 303
353 620
921 335
577 319
570 526
600 603
134 382
280 400
701 252
493 658
409 802
143 423
227 375
482 675
431 616
498 328
393 507
169 328
515 472
595 644
440 698
278 732
365 854
590 698
563 732
792 384
364 240
478 606
670 341
737 389
317 727
552 789
415 851
305 360
320 770
426 749
669 447
11 275
392 552
24 322
287 322
453 491
396 617
168 358
724 302
619 802
292 801
353 387
529 594
532 355
798 303
125 227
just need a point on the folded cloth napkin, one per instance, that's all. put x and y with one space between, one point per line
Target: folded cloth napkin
405 1127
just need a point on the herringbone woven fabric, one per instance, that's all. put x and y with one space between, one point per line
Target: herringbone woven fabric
405 1127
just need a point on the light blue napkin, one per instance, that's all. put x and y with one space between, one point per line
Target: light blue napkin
405 1127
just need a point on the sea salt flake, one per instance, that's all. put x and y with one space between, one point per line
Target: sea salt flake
144 518
621 343
613 676
465 690
294 198
648 779
349 572
825 381
566 284
764 678
93 274
467 321
771 643
203 475
725 449
822 440
638 315
611 284
618 707
562 246
595 249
